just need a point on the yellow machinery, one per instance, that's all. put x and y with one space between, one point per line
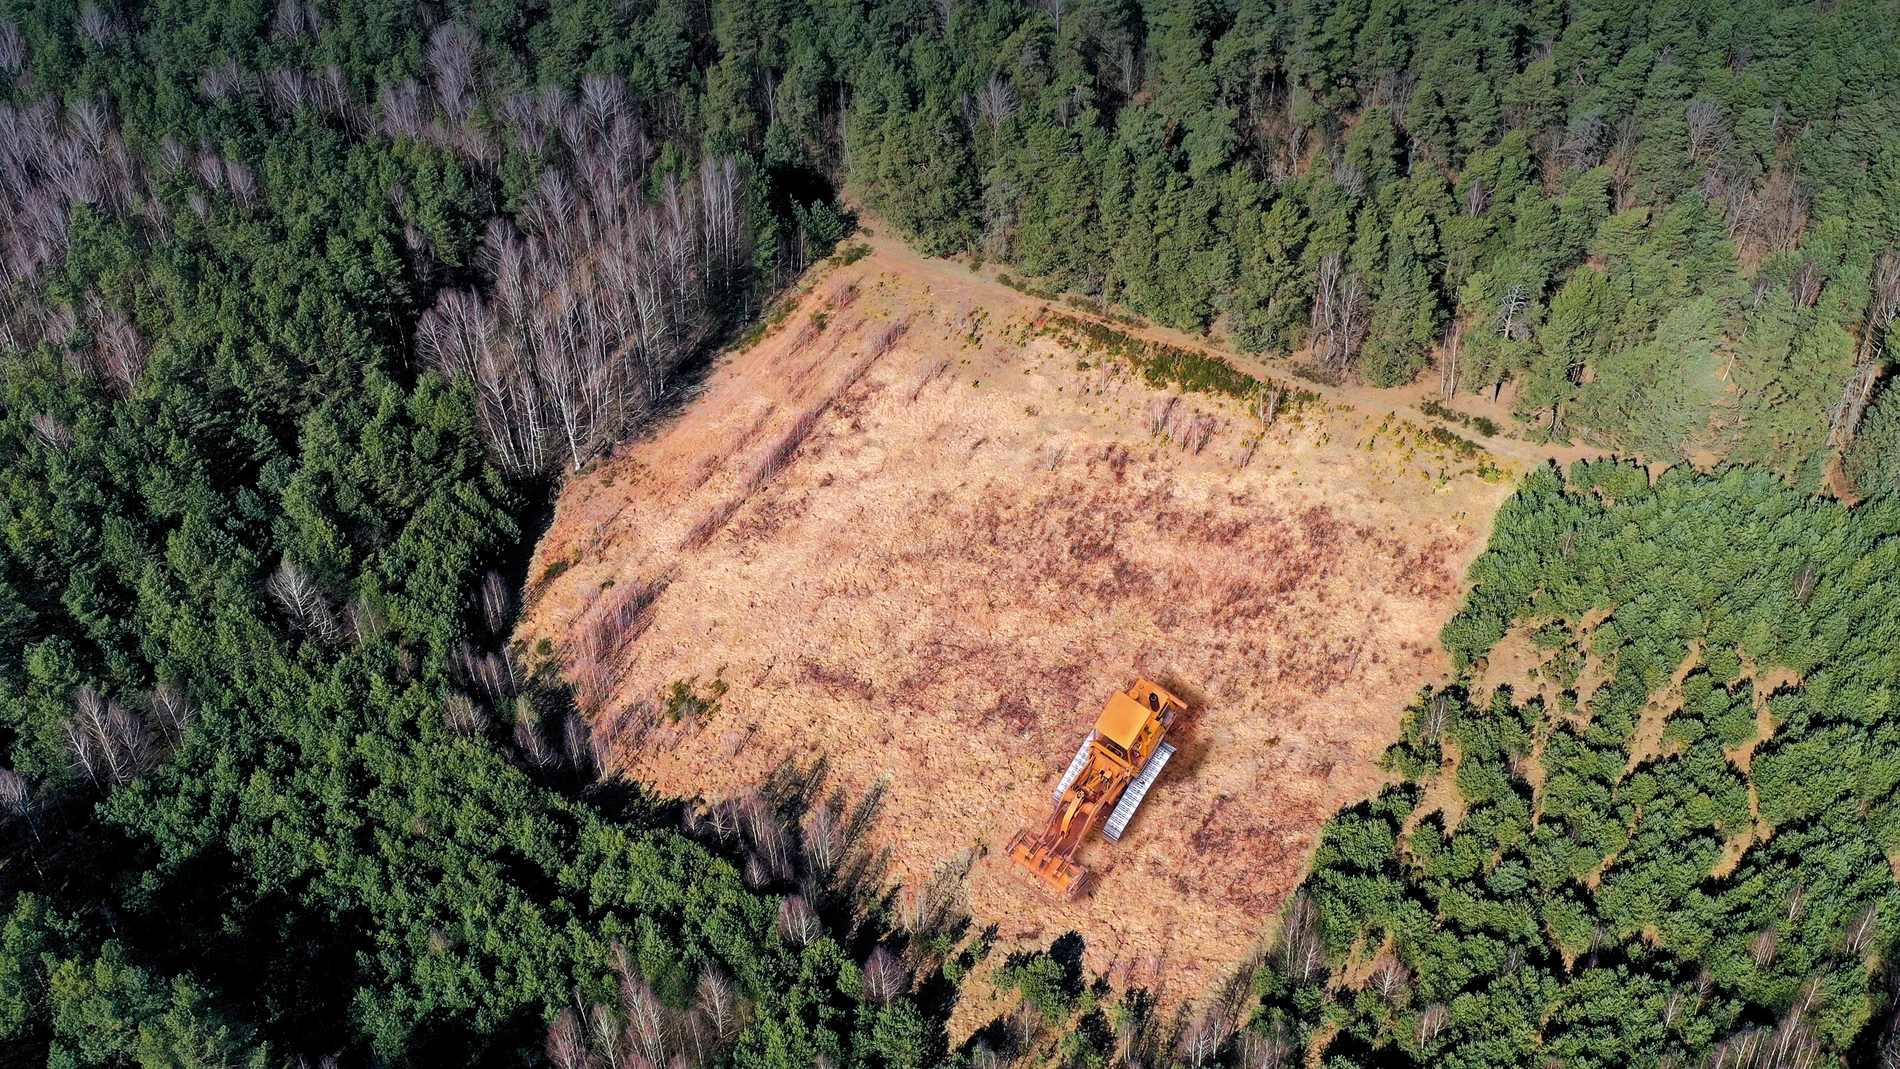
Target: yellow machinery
1109 777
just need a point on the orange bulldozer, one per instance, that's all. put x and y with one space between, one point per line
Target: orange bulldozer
1110 775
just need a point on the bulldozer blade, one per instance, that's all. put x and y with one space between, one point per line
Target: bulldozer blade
1056 875
1131 798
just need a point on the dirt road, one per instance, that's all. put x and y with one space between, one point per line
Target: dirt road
980 285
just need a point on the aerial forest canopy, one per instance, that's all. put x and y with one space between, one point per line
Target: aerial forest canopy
1669 226
1682 849
306 306
303 305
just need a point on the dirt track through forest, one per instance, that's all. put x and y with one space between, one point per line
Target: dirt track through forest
1404 402
934 562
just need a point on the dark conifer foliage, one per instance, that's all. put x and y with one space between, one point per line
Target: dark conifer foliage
1681 851
299 305
1661 225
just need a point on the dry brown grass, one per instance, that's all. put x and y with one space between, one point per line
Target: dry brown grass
946 554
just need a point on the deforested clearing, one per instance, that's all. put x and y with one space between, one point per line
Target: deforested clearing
926 526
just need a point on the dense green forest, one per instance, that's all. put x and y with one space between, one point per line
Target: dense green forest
1707 881
275 793
307 307
1669 225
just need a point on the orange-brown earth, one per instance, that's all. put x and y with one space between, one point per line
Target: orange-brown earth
934 562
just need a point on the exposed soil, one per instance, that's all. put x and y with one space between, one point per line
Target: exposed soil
934 563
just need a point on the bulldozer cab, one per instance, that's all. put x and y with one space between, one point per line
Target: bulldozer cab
1157 700
1121 726
1134 720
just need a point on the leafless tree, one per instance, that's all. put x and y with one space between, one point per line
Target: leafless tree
493 674
108 741
403 110
1796 903
1859 934
296 19
173 156
453 51
99 24
462 716
1739 1050
715 1001
498 603
363 620
48 163
1679 998
1349 178
723 213
528 735
210 167
1764 946
1583 141
577 745
172 708
1741 204
1784 210
84 751
16 798
1160 411
1621 159
823 840
646 1019
1301 954
997 103
939 907
567 1042
289 89
597 303
1510 316
885 977
1804 286
1393 92
1708 133
1436 719
333 95
51 432
221 82
1026 1022
1431 1022
462 339
1803 590
1851 407
12 47
1275 1050
1476 197
1795 1044
1342 312
521 113
1883 306
607 1034
1448 368
1202 1041
1389 977
768 839
122 352
1287 162
302 602
798 921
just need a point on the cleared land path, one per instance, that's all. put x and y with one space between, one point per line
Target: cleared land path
980 285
